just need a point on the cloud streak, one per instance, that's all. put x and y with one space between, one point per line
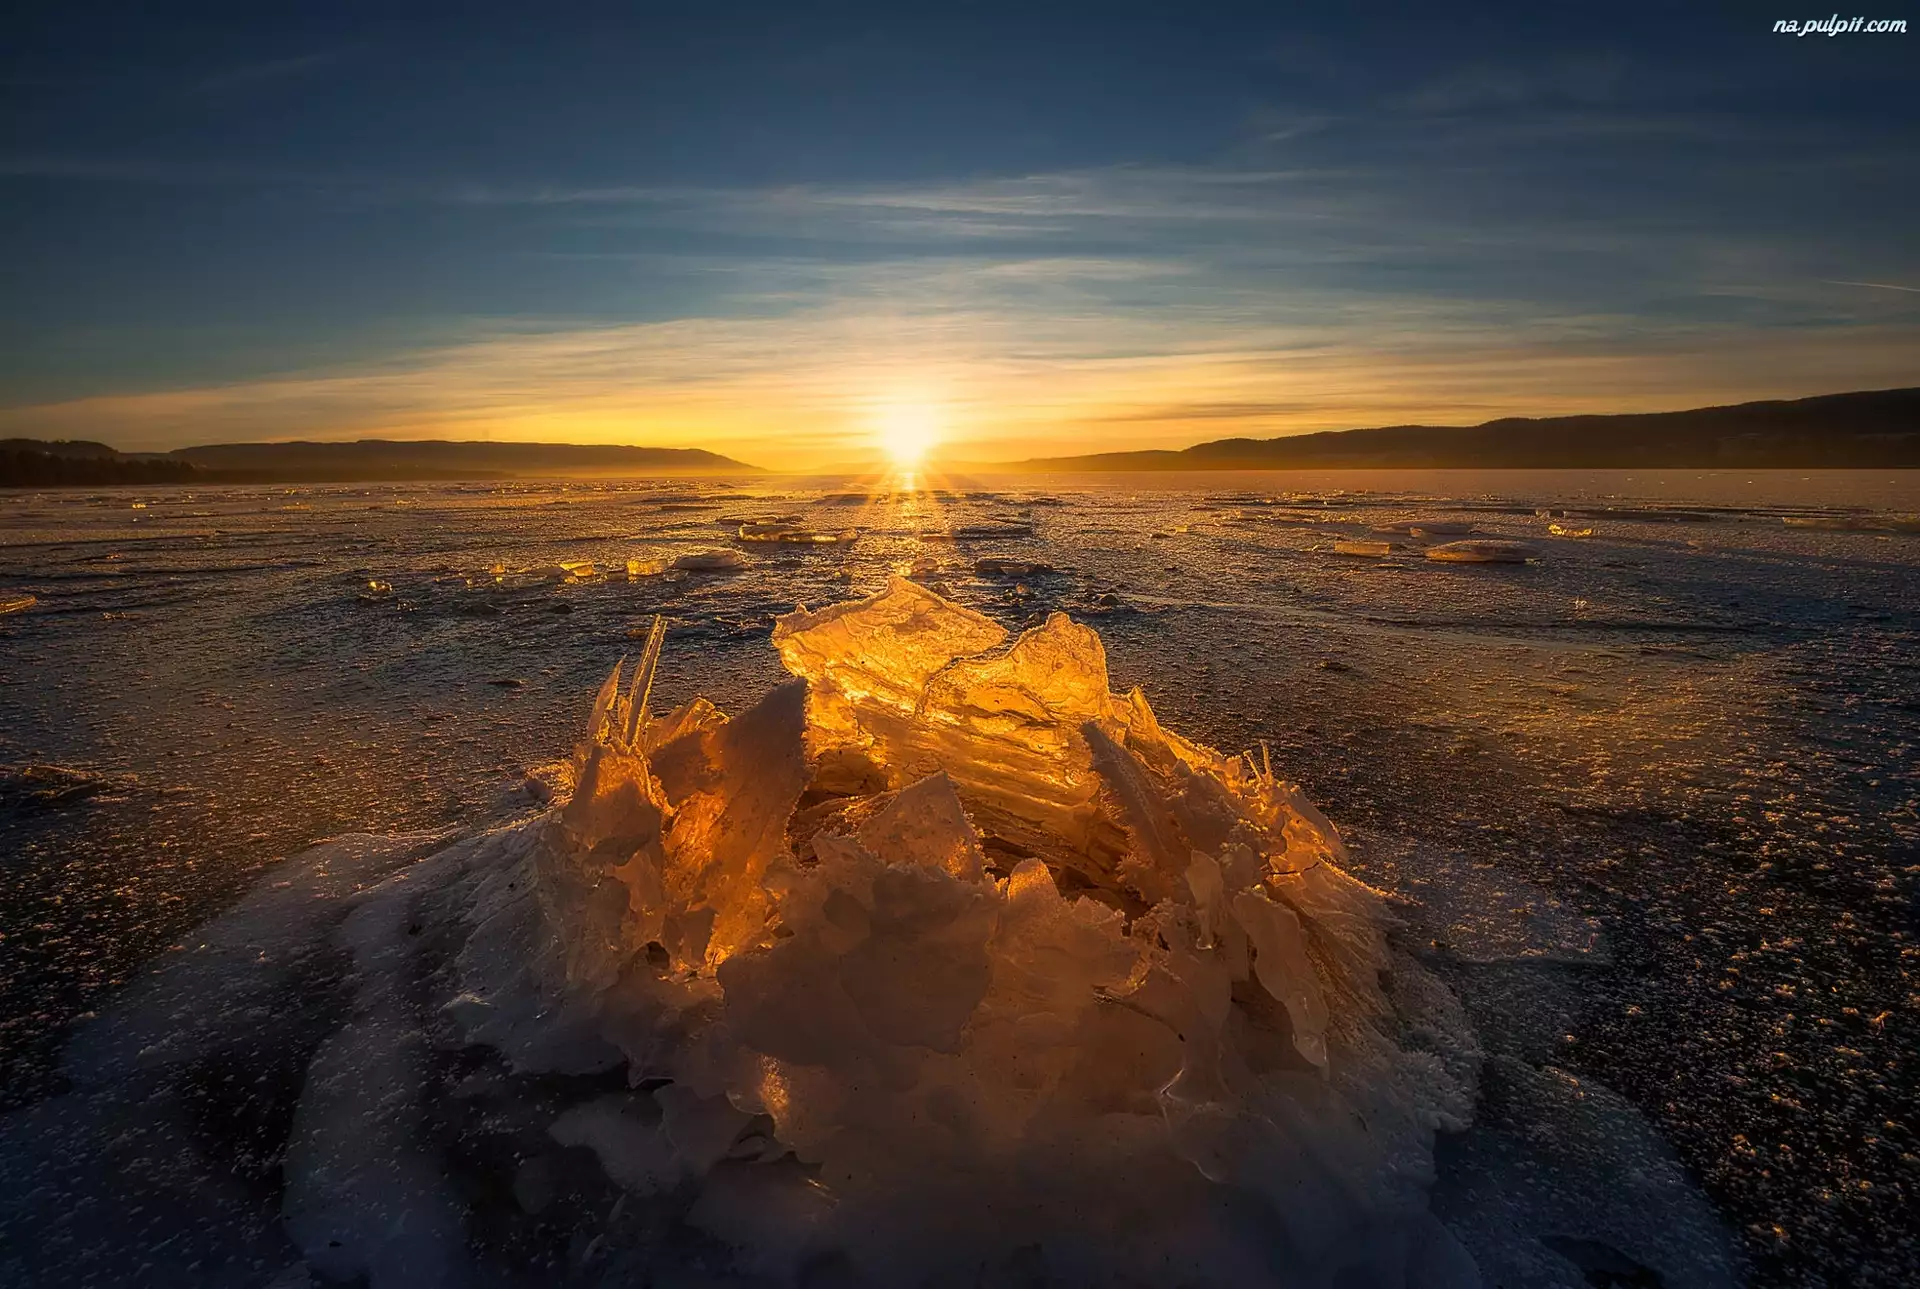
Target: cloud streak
1878 286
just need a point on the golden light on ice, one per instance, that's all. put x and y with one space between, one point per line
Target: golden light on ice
963 951
907 432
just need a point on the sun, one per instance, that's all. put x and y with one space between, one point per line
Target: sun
907 433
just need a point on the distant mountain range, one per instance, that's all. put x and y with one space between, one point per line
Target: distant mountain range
1876 429
37 463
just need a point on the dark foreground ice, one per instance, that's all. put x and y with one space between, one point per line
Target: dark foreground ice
1649 799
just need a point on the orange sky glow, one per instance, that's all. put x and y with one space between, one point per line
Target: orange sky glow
826 391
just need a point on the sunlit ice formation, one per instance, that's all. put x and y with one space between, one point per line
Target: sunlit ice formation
941 964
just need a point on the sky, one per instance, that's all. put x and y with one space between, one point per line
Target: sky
782 232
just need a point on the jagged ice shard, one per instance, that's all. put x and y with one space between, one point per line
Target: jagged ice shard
941 964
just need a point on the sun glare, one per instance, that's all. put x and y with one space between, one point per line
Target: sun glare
907 434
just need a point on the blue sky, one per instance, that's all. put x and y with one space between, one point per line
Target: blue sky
765 229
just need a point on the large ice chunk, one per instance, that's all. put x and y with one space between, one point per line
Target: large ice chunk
944 960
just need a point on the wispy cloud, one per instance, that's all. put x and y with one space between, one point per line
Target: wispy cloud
1104 307
1878 286
266 71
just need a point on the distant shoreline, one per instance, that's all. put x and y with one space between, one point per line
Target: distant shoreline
1871 429
33 463
215 479
1045 468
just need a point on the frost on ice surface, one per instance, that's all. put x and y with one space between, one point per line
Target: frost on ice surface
943 961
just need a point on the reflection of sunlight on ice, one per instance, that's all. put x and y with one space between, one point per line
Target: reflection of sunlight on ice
903 499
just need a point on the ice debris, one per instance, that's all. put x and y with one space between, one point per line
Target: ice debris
942 963
1485 551
718 560
1855 523
996 530
30 789
794 535
1000 566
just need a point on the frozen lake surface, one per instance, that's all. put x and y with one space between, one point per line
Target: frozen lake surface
1652 796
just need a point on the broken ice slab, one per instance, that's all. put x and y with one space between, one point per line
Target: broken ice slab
888 646
1372 550
16 603
1855 523
788 534
569 570
710 561
998 566
926 824
922 566
967 934
981 533
1424 528
1485 551
645 567
30 788
1639 514
736 520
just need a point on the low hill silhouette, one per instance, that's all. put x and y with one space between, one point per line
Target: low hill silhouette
1871 429
40 463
